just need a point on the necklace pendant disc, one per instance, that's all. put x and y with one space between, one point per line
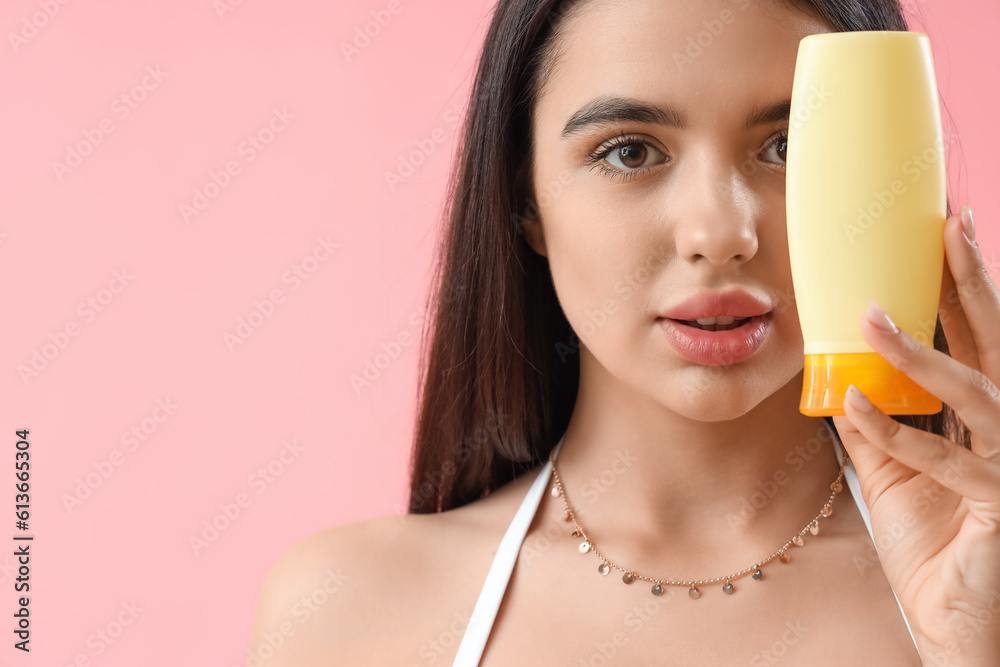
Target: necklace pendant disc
798 541
657 590
784 557
694 593
628 578
584 547
728 588
555 491
814 528
826 511
603 568
757 574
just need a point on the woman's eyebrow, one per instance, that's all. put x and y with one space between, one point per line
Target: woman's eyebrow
772 113
610 108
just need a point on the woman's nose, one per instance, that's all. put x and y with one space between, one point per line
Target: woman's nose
716 215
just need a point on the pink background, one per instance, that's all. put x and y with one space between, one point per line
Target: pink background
160 336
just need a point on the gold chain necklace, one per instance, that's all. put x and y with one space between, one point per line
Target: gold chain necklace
629 576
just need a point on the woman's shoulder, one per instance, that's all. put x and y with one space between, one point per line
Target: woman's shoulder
384 584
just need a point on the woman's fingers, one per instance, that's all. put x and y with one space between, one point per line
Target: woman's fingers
877 471
978 294
969 392
949 464
961 343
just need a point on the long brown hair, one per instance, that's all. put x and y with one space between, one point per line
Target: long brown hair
499 366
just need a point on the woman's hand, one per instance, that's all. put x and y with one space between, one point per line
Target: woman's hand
934 505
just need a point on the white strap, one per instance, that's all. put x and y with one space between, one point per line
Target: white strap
484 614
470 651
851 476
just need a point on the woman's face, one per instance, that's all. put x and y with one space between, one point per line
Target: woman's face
640 209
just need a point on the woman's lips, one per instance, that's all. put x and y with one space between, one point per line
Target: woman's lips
717 348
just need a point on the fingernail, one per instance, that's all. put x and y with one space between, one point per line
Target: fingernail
856 398
968 225
880 319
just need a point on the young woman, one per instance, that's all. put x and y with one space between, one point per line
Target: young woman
622 171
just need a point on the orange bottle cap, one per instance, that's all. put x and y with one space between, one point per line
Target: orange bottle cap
827 376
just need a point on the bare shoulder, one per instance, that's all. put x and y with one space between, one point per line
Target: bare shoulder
381 590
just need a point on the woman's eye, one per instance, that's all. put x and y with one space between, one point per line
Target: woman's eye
635 155
631 156
777 148
626 158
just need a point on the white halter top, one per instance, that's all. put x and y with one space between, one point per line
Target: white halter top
484 614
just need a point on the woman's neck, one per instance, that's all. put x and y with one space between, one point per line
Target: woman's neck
692 491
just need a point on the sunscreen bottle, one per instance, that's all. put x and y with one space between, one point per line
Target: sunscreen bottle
865 204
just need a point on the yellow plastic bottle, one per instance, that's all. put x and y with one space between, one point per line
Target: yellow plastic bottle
865 198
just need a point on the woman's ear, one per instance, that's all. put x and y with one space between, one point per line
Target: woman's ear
534 235
527 217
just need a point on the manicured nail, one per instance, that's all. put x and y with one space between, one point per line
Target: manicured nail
856 398
968 225
880 318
